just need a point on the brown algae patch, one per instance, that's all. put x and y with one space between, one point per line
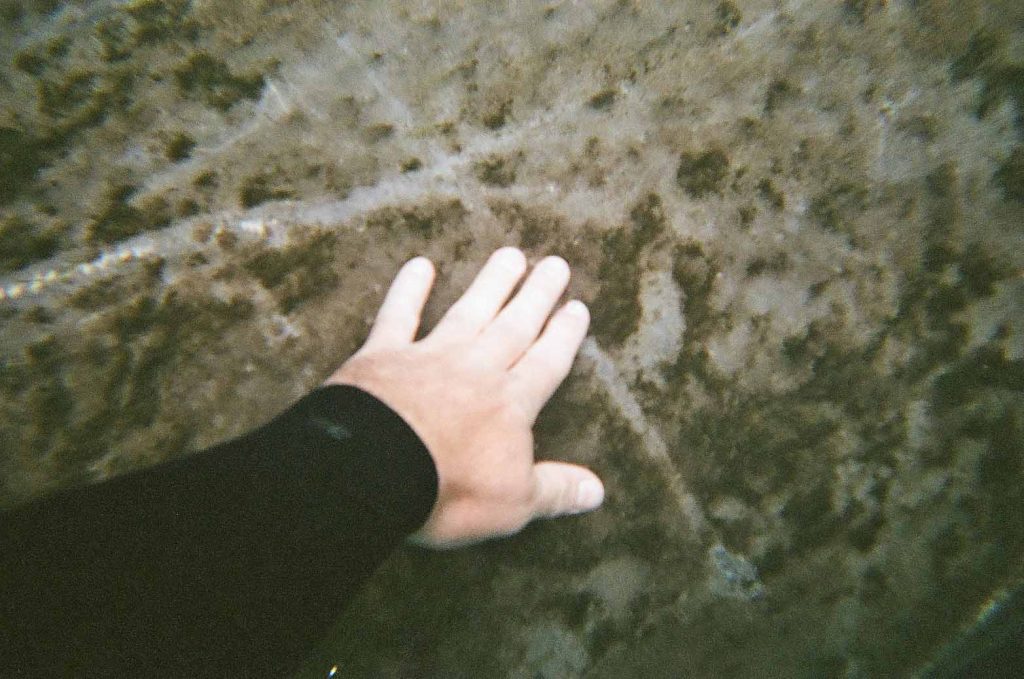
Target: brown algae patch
704 173
299 271
425 221
616 310
497 171
121 218
209 79
23 242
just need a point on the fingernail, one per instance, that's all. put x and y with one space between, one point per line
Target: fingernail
514 257
577 308
419 265
589 495
557 266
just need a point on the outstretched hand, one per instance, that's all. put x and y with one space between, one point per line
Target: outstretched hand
472 390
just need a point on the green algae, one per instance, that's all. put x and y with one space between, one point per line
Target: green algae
122 218
1001 80
774 264
59 98
209 79
984 369
205 179
1010 175
496 118
768 191
30 61
780 92
21 157
835 208
426 221
702 174
411 165
179 147
160 20
861 10
75 100
538 230
260 189
379 132
727 17
22 242
299 271
616 310
694 271
142 24
603 100
496 171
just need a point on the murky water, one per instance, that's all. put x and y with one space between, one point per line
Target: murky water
798 226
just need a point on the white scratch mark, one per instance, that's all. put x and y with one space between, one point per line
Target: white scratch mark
610 378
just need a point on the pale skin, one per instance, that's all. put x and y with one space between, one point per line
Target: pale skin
473 388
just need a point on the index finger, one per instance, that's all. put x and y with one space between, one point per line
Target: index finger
484 298
400 313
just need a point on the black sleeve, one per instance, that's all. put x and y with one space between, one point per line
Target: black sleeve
229 562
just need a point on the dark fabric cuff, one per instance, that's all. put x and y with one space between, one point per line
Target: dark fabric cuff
367 458
228 562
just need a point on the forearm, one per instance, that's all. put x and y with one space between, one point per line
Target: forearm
231 561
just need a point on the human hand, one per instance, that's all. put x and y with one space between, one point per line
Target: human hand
472 390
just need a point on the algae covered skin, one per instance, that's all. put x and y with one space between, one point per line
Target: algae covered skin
797 226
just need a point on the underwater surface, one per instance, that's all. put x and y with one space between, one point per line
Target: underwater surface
799 225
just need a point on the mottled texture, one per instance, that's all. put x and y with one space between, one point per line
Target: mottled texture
797 224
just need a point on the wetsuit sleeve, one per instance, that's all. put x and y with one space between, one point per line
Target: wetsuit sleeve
230 562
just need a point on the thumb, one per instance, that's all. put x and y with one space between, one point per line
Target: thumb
561 489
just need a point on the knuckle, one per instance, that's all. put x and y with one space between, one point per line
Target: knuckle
478 359
518 335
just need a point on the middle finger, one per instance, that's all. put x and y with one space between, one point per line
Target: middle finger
484 298
520 322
